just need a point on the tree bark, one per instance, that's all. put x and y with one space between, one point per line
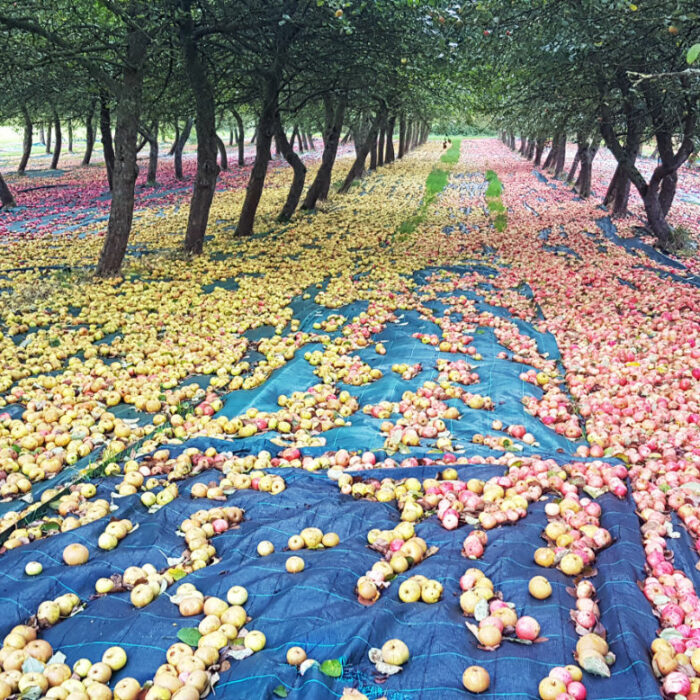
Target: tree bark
553 154
668 192
310 141
6 199
106 133
583 183
298 168
402 136
151 138
331 139
128 111
373 152
561 157
208 143
180 146
89 135
70 136
42 135
358 167
59 142
48 137
523 144
389 155
539 148
223 156
380 145
176 140
240 138
577 159
26 141
230 136
263 140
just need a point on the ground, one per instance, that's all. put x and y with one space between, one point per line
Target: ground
449 313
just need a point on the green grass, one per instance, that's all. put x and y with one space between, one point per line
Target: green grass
451 155
493 199
436 183
495 187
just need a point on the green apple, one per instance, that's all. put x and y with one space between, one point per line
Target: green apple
237 595
115 658
409 591
255 641
33 568
395 652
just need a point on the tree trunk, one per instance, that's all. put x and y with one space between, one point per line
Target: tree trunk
42 135
668 192
310 141
6 199
511 141
331 139
89 135
26 141
176 140
59 142
48 137
255 135
539 148
389 156
380 145
180 146
70 136
151 138
299 169
106 133
523 144
551 158
121 212
583 183
655 215
292 139
561 157
373 153
240 138
402 136
358 167
230 136
208 143
223 156
263 140
574 166
618 193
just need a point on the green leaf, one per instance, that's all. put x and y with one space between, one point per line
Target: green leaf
51 525
481 610
32 665
693 53
332 668
177 574
189 635
280 691
34 692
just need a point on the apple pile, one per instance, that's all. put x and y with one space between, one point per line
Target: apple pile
459 371
31 666
497 619
50 612
406 371
73 510
114 533
563 682
573 532
400 549
313 538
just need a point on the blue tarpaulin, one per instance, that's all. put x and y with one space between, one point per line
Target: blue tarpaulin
318 608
